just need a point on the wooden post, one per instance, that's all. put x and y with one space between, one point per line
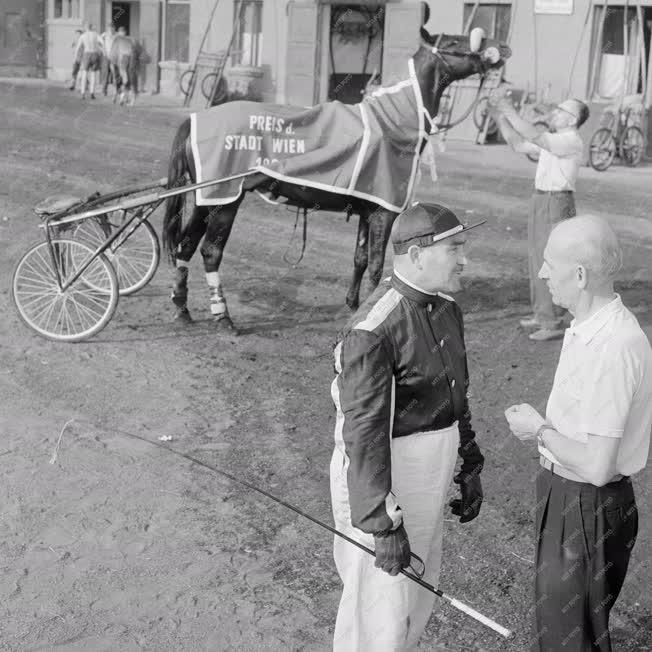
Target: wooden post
597 52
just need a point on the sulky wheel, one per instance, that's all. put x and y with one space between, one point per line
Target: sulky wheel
480 115
541 126
72 314
185 81
135 259
221 92
631 146
602 149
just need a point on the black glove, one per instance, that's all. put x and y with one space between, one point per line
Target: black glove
468 507
392 550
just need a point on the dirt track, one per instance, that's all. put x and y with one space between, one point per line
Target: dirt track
122 546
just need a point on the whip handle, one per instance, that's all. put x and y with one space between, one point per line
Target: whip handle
503 631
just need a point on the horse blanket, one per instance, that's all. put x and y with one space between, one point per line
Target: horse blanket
368 150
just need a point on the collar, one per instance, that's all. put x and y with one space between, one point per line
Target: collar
588 329
414 292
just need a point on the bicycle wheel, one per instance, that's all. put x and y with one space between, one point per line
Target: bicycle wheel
185 81
480 114
541 127
135 259
602 149
632 145
220 91
69 315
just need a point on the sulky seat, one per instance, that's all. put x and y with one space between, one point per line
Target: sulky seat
56 204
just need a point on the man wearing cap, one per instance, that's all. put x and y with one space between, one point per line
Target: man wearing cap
560 157
402 417
596 434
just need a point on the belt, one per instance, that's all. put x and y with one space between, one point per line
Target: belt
553 192
559 470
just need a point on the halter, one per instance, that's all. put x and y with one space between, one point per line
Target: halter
437 51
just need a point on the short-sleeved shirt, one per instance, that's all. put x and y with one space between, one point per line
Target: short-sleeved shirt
603 385
559 165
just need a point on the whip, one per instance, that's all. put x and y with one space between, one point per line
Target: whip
488 622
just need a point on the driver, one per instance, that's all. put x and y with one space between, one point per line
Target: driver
402 419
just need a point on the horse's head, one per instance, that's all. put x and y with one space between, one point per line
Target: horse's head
460 56
445 58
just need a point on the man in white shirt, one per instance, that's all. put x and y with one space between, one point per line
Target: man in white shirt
107 41
91 58
596 435
560 156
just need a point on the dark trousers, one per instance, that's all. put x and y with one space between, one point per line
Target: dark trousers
107 74
546 210
75 72
585 536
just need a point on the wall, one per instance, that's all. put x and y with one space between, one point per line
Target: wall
556 39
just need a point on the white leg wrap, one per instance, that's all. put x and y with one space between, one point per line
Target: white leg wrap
213 279
218 303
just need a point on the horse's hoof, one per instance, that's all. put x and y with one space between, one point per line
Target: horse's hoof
353 304
225 325
182 315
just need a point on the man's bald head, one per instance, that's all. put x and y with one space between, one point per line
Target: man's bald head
588 240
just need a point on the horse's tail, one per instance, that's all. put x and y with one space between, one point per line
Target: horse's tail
177 170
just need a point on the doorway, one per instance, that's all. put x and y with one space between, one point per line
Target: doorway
121 15
355 49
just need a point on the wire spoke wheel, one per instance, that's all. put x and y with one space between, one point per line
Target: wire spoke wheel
602 149
185 81
632 145
135 255
69 315
207 84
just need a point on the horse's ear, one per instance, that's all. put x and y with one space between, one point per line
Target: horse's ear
426 36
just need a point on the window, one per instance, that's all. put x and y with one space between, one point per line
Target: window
618 61
177 30
249 33
493 18
65 9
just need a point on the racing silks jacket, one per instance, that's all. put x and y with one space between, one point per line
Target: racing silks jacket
401 369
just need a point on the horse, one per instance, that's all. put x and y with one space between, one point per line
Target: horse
438 61
123 61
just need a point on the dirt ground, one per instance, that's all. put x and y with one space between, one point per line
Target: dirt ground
122 546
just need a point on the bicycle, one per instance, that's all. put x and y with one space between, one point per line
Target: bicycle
618 138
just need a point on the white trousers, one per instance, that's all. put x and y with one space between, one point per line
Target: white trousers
378 612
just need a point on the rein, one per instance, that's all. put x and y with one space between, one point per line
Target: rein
303 244
483 76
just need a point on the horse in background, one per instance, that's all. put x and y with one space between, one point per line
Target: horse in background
124 62
439 61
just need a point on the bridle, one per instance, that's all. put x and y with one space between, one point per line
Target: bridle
465 54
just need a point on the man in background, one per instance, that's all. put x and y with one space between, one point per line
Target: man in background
107 41
560 156
90 59
76 59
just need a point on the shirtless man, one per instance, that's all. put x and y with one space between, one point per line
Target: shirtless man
91 58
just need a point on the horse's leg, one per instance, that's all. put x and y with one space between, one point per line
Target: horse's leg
360 259
218 229
380 228
191 235
117 82
125 82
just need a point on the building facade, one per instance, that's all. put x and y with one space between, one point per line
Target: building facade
308 51
22 38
